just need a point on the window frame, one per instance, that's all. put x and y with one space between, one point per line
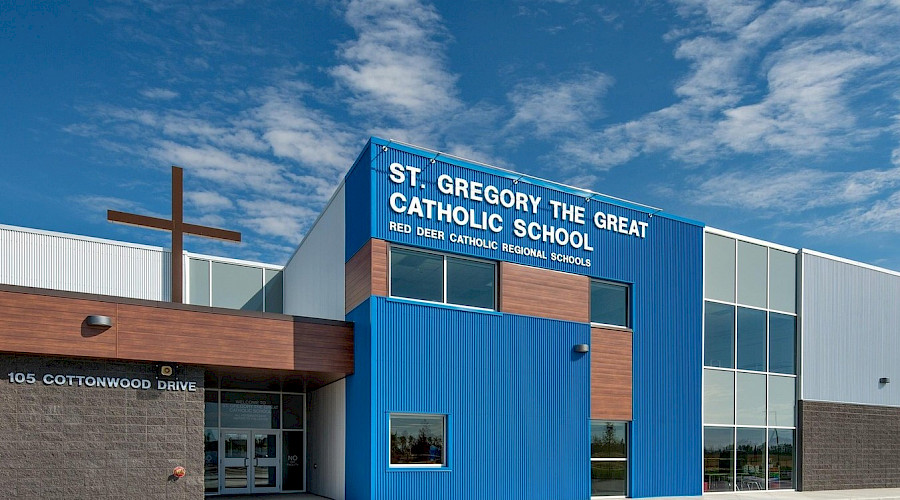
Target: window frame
444 258
444 435
628 300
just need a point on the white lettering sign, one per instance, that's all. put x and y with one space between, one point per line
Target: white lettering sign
101 382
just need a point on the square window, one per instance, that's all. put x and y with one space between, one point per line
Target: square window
471 282
417 275
609 303
417 440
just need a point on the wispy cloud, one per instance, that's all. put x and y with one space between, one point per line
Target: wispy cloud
560 106
159 94
394 36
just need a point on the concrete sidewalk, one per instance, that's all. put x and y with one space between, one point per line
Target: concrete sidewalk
867 494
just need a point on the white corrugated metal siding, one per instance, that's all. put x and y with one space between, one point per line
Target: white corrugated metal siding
314 276
325 442
67 262
850 327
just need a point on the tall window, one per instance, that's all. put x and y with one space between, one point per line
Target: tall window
609 303
609 459
418 440
749 376
442 278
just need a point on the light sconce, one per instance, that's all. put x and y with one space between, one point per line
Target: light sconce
884 380
581 348
98 320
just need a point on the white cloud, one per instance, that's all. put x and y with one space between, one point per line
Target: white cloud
794 190
394 36
159 94
559 106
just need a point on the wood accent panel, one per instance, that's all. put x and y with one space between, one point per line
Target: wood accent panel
544 293
611 374
366 274
47 323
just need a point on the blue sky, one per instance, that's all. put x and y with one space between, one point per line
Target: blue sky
778 120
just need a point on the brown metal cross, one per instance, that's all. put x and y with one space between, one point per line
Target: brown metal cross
177 227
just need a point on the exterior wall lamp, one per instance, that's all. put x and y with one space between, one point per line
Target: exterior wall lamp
884 380
581 348
97 320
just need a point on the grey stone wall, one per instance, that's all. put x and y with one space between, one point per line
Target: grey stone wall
846 446
71 442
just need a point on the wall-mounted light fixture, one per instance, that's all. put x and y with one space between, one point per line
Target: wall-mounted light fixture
98 320
884 380
581 348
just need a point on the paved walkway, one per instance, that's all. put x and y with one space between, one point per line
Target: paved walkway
274 496
869 494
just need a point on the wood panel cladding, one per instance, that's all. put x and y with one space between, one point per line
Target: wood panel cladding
611 374
366 273
44 322
544 293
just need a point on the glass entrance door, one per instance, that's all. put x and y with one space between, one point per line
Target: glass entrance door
250 461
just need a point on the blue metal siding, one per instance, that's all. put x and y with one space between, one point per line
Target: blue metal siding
358 196
666 447
515 393
360 426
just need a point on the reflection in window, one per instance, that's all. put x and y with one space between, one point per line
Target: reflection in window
718 459
250 410
751 339
750 456
211 408
781 459
609 303
609 458
608 478
719 335
292 414
751 274
417 440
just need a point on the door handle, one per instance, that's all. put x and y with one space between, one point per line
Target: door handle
256 462
245 461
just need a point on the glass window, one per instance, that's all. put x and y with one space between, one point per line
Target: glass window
718 459
751 399
782 342
211 408
198 273
608 439
781 459
609 303
417 275
718 397
719 335
292 414
782 401
752 271
751 339
470 282
250 410
719 270
237 287
608 478
211 460
274 291
750 455
417 440
293 467
782 281
609 458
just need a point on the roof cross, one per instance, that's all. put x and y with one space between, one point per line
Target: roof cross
177 227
